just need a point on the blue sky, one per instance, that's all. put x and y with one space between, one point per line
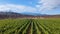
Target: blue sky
34 6
20 2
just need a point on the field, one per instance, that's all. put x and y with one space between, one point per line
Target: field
30 26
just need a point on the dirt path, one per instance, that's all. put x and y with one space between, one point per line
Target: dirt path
28 30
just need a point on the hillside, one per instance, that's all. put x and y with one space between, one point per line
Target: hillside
13 15
20 15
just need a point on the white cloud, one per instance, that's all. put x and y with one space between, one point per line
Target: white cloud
48 4
17 8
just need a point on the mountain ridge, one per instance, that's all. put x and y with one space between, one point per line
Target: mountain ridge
22 15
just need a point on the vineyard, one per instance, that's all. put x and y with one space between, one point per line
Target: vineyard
30 26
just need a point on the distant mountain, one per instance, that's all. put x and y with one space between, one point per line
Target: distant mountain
13 15
10 12
9 15
21 15
34 14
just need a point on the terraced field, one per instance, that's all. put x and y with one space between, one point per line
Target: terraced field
30 26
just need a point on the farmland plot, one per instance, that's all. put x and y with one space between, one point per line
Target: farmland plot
30 26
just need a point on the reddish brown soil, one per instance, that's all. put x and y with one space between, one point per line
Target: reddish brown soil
28 30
